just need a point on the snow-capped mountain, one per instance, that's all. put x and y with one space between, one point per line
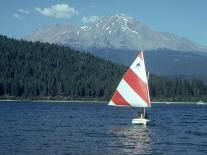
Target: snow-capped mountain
114 32
119 38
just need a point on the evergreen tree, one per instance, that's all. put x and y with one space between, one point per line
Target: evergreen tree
37 69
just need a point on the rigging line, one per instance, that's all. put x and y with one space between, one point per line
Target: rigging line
133 111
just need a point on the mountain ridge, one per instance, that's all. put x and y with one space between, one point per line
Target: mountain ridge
116 32
119 38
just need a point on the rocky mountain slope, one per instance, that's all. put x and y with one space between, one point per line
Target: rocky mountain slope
115 32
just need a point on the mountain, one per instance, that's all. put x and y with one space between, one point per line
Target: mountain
119 38
115 32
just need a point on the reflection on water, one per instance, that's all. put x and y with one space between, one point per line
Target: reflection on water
134 139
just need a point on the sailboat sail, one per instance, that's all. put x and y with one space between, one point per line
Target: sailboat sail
133 88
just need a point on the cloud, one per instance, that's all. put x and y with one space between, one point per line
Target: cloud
90 19
17 16
22 11
58 11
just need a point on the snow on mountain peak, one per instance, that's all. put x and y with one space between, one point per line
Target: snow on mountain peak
117 32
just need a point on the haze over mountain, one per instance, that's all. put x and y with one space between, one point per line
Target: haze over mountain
115 32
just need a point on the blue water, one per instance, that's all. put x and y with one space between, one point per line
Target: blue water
37 128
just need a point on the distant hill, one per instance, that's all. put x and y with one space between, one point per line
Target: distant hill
161 61
44 71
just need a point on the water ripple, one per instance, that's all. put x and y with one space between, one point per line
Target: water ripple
79 129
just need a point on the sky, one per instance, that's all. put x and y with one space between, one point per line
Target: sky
186 18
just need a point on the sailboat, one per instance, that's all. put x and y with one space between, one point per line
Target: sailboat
133 90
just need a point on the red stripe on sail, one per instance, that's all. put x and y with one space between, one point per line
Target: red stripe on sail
139 86
141 55
119 100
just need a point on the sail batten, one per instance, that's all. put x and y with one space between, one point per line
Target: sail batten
133 88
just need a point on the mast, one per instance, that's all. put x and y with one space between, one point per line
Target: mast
144 112
148 91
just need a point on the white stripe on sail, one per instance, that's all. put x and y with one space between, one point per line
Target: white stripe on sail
138 68
130 95
112 103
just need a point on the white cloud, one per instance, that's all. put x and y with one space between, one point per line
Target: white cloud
22 11
58 11
17 16
90 19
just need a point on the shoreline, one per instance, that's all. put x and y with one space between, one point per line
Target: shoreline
90 101
178 102
62 101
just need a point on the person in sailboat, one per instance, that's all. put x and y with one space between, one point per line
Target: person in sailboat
143 114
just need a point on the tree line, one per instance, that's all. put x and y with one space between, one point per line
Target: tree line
177 89
41 70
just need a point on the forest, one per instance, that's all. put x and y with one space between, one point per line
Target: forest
34 70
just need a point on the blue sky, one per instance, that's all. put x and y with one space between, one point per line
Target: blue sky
187 18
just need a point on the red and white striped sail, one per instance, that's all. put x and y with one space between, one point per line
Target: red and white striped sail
133 88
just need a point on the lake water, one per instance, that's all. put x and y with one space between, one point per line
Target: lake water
38 128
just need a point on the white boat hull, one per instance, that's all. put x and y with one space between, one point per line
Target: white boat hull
140 121
201 103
